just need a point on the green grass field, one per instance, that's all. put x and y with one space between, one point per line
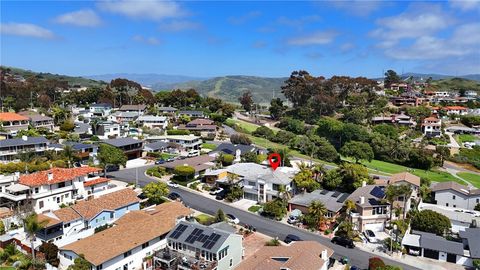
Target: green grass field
471 177
254 208
466 138
210 146
204 219
247 127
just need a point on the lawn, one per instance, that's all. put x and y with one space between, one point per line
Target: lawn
254 208
246 126
204 219
210 146
166 156
466 138
471 177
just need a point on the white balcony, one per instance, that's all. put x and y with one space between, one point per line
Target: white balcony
52 192
13 197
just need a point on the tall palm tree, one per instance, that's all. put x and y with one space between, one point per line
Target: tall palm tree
406 192
32 225
283 193
348 206
391 193
317 210
318 171
69 154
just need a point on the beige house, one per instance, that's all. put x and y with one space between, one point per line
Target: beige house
371 211
413 182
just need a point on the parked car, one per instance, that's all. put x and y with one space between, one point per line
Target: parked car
193 153
293 219
343 242
172 184
291 238
370 236
174 196
159 161
215 190
112 168
170 159
232 218
221 195
414 252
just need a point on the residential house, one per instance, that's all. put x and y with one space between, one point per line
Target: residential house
435 247
38 120
48 189
471 94
399 86
432 127
106 130
401 101
199 163
67 225
453 194
192 114
206 127
101 109
195 246
400 119
455 110
140 109
152 121
13 122
237 150
460 219
333 201
462 130
470 242
412 181
167 110
305 255
156 147
131 147
186 143
124 118
85 152
371 211
11 148
126 245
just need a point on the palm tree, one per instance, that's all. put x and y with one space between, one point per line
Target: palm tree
318 171
317 210
348 206
32 225
283 193
69 154
406 192
391 193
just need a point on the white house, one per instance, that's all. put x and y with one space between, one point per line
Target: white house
455 110
453 194
153 121
186 142
432 127
125 246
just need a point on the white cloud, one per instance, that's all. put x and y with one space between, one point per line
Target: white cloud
145 9
358 7
146 40
26 30
299 22
316 38
179 25
84 17
465 5
244 18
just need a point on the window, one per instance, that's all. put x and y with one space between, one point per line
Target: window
145 245
111 215
126 254
100 267
446 204
61 185
231 262
453 197
251 183
275 187
36 190
478 200
40 204
454 206
58 199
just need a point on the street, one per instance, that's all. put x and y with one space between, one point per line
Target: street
266 226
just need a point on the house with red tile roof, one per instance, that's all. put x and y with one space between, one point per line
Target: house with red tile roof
13 122
455 110
432 126
49 189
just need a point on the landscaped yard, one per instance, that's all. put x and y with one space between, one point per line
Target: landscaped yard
474 179
210 146
254 208
204 219
466 138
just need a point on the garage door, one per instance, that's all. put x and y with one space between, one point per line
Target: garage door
376 227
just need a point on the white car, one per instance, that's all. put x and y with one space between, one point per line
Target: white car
215 191
370 235
233 219
172 184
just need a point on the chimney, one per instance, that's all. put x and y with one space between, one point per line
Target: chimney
25 138
362 199
324 255
364 183
50 176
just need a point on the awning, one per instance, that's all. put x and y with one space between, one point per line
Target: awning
412 240
17 188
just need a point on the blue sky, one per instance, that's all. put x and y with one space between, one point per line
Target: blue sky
205 38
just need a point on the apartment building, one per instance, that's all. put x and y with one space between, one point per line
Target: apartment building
11 148
126 245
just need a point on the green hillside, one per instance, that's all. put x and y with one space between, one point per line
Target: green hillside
230 88
456 84
70 79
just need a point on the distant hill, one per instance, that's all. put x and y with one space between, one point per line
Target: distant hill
70 79
149 80
474 77
230 88
456 84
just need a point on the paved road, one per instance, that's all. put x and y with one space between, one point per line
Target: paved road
263 225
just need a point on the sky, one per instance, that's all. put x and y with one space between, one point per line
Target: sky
267 38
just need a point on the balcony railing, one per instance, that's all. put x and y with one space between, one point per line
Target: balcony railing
175 260
13 197
52 191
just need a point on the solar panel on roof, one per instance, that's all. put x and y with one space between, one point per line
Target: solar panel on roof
378 192
202 238
207 243
189 239
336 194
178 231
324 192
342 198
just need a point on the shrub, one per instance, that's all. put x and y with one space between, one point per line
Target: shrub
157 171
263 132
50 251
272 242
185 171
227 159
178 132
102 228
67 126
327 232
240 139
431 221
375 262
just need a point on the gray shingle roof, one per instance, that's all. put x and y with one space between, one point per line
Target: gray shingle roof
119 142
332 200
229 148
373 195
156 145
167 109
435 242
139 107
473 237
20 141
207 231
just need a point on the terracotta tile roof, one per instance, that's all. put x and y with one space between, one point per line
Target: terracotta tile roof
66 214
303 255
58 175
128 233
95 181
432 119
454 108
50 221
405 176
8 116
112 201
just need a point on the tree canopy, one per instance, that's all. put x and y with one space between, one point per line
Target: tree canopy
110 155
431 221
155 192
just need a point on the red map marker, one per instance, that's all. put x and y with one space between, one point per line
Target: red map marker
274 160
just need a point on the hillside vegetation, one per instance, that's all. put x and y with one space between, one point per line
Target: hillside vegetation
456 84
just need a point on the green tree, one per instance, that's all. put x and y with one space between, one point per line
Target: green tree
80 264
304 180
345 229
391 77
391 193
2 228
110 155
324 149
235 192
240 139
69 154
276 208
332 180
51 251
32 225
357 151
220 216
185 171
264 132
155 191
227 159
246 100
477 208
249 157
476 264
405 191
316 214
67 126
388 130
277 109
431 221
353 176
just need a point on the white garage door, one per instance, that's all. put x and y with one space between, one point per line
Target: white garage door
375 227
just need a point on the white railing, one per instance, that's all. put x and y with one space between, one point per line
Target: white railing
13 197
52 192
